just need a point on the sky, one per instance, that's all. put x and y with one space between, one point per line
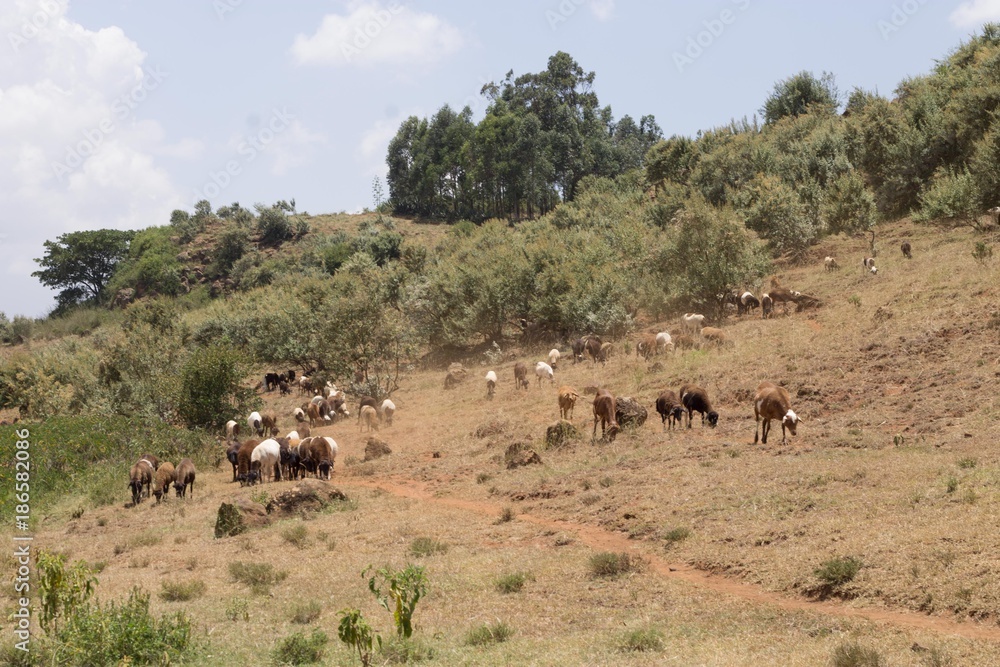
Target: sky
113 113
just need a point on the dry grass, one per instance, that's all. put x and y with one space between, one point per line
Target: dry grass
899 393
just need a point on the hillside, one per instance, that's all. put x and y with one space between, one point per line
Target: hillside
895 376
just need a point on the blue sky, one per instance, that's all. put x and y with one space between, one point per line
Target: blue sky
115 112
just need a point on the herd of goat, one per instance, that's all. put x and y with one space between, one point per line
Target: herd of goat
299 453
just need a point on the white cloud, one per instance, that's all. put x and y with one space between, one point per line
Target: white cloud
374 144
372 34
602 9
974 13
79 154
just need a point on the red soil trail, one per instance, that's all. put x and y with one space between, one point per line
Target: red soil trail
605 540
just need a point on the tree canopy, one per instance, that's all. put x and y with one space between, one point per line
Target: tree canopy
81 263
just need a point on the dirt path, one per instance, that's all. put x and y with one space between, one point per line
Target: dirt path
604 540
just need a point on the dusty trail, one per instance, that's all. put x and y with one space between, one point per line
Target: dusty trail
604 540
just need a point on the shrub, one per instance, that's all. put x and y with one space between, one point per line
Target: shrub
507 515
611 565
838 571
212 386
298 649
182 591
273 225
238 609
646 639
405 588
62 591
491 633
675 535
232 245
356 633
123 634
306 612
399 651
983 252
513 582
427 546
296 535
853 654
258 576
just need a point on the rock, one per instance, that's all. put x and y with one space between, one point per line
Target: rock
308 495
376 449
629 413
239 517
561 433
519 454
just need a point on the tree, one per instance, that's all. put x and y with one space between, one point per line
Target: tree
81 263
212 386
799 94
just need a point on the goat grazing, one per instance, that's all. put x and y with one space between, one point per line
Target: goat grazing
692 322
554 356
766 306
773 402
664 341
695 399
245 476
232 429
184 478
907 250
592 346
868 265
669 408
646 347
386 411
367 416
520 375
255 423
604 412
141 475
713 336
747 303
491 383
567 401
231 455
830 263
265 460
165 476
543 370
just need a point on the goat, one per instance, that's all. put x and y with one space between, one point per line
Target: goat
773 402
367 416
185 478
334 405
520 375
543 370
692 322
868 265
231 455
604 412
605 353
165 476
554 356
907 250
266 458
646 347
271 381
491 383
567 401
232 429
685 342
695 399
319 456
312 410
141 474
255 424
592 346
246 476
386 411
766 306
747 303
300 415
269 422
663 340
669 408
579 347
713 336
830 263
366 401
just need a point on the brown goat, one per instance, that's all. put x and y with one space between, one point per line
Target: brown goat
368 416
567 401
670 409
521 375
246 475
773 402
604 412
646 347
269 421
165 476
714 336
141 474
312 410
184 478
592 346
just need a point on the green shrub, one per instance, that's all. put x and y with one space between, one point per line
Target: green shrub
399 591
126 633
273 226
676 535
298 649
304 613
296 535
513 582
238 609
182 591
491 633
645 639
258 576
838 571
400 651
611 565
427 546
61 591
212 386
853 654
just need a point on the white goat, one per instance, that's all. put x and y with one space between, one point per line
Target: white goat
267 455
386 411
554 357
664 342
543 370
693 322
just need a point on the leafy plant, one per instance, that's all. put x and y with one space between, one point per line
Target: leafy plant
513 582
853 654
296 535
238 609
297 649
838 571
676 535
611 565
404 590
61 591
356 633
258 576
983 252
641 640
306 612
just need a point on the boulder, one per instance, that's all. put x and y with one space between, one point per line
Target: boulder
376 449
629 413
561 434
519 454
308 495
240 516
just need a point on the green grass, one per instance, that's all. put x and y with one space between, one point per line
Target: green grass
675 535
641 640
610 565
296 535
422 547
182 591
853 654
297 649
838 571
490 633
304 613
513 582
258 576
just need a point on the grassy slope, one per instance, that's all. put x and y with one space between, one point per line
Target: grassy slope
894 465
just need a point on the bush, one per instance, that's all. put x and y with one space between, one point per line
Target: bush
676 535
298 649
514 582
427 546
647 639
232 245
296 535
611 565
306 612
491 633
182 591
853 654
838 571
212 386
273 225
258 576
123 633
